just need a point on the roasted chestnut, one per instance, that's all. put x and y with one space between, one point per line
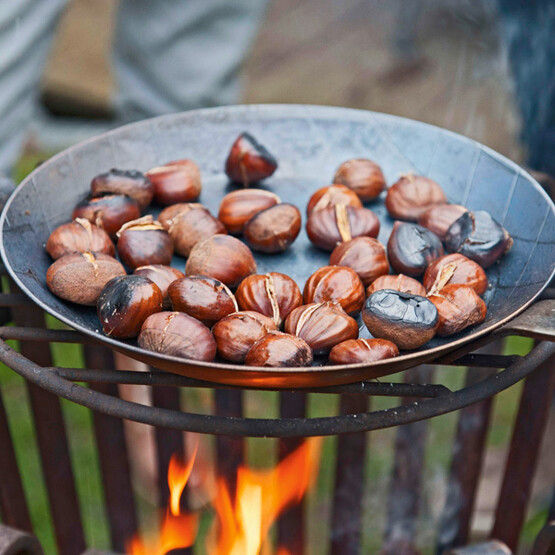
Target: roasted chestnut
354 351
439 217
399 282
330 196
274 295
238 207
78 236
335 283
274 229
362 176
177 334
455 268
249 161
322 325
458 307
412 195
411 248
278 349
161 275
144 241
407 320
174 182
335 224
236 333
479 237
125 303
132 183
109 212
170 213
80 277
365 255
222 257
202 297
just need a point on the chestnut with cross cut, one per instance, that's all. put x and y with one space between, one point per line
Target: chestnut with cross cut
79 236
277 349
132 183
331 196
354 351
362 176
177 181
455 269
399 282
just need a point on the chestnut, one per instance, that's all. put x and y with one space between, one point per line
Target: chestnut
144 241
322 325
335 283
80 277
335 224
354 351
222 257
108 212
365 255
399 282
455 268
330 196
238 207
132 183
161 275
177 334
274 295
411 248
170 213
248 161
125 303
439 217
458 307
236 333
202 297
79 236
274 229
362 176
277 349
412 195
479 237
407 320
174 182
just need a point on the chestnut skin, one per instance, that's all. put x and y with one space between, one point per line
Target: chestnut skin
125 303
335 283
399 282
455 269
279 350
365 255
322 325
80 277
438 218
412 195
79 236
172 212
132 183
236 333
205 298
238 207
177 181
335 224
362 176
330 196
354 351
274 229
161 275
177 334
248 161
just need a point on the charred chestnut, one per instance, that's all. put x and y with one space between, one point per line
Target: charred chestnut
362 176
331 196
132 183
161 275
438 218
79 236
238 207
354 351
455 269
278 349
400 282
174 182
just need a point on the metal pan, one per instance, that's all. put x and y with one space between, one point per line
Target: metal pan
309 142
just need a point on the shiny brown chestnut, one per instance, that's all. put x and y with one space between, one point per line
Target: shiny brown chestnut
202 297
177 334
335 283
172 212
79 236
412 195
274 229
177 181
161 275
455 269
439 217
354 351
399 282
132 183
279 350
125 303
335 224
222 257
273 294
322 325
365 255
108 212
331 196
248 161
236 333
80 277
238 207
362 176
144 241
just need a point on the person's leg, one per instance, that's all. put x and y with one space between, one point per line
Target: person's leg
174 55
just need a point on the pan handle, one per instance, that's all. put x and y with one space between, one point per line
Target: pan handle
538 322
